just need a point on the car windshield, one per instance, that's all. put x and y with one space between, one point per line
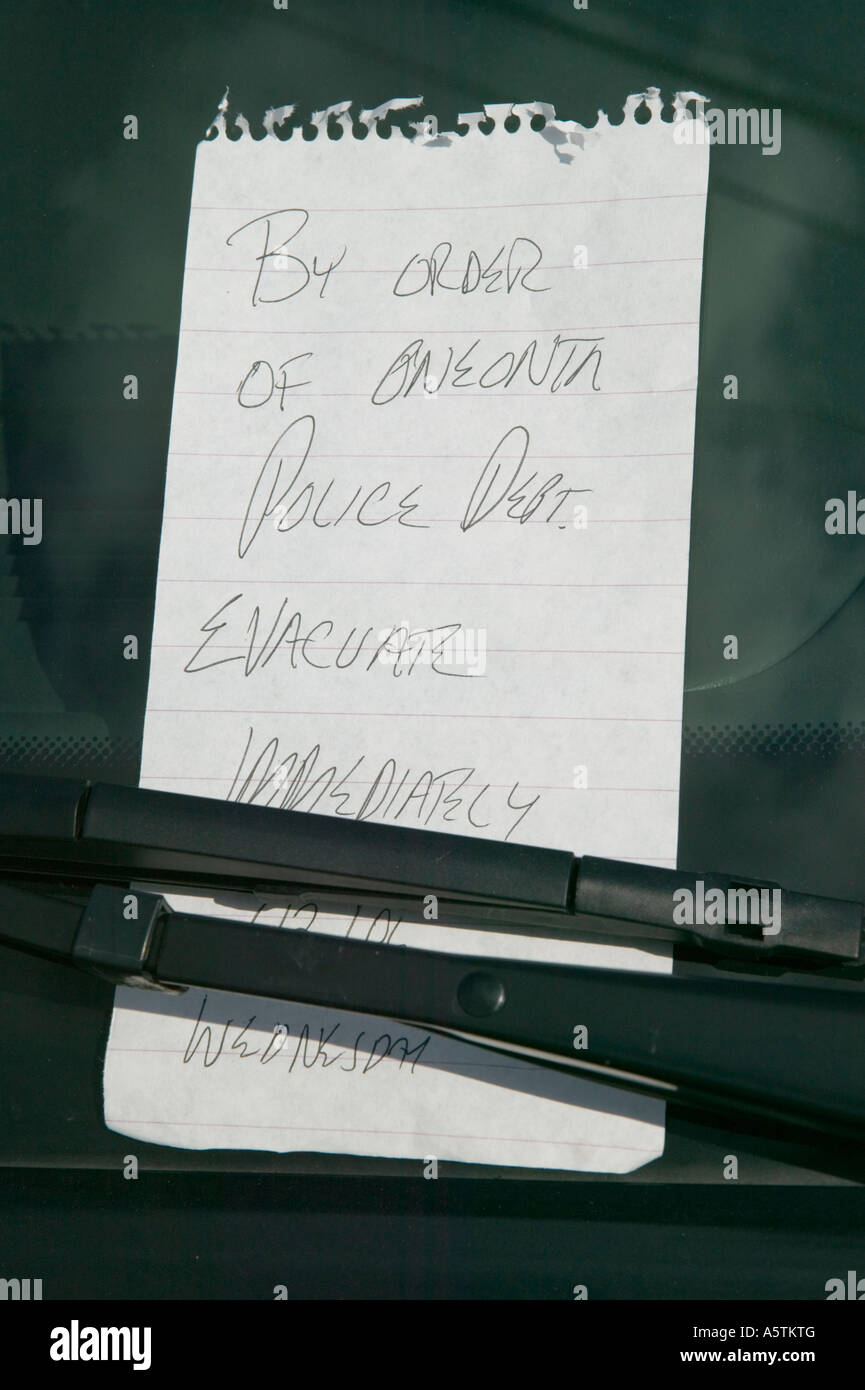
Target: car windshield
96 214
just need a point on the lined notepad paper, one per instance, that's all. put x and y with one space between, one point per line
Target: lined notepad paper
424 561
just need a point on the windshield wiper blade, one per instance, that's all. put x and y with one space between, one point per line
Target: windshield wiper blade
783 1052
62 830
741 1048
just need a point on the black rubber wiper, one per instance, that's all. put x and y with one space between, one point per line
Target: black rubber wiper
723 1043
63 830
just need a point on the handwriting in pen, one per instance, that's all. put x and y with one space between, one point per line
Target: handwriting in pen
383 789
284 495
427 272
398 649
210 1043
539 367
275 231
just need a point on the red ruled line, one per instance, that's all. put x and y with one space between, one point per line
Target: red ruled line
465 207
372 270
426 583
510 651
427 332
439 458
361 782
401 1133
403 714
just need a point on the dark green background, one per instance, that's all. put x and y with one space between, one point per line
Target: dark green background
773 768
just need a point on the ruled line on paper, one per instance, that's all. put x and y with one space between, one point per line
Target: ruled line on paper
337 1129
371 270
207 453
361 782
472 207
464 395
513 651
396 714
565 334
427 332
454 520
422 583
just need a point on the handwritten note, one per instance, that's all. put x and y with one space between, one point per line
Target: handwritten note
424 561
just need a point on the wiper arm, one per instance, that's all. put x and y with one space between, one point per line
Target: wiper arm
54 829
729 1044
791 1055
